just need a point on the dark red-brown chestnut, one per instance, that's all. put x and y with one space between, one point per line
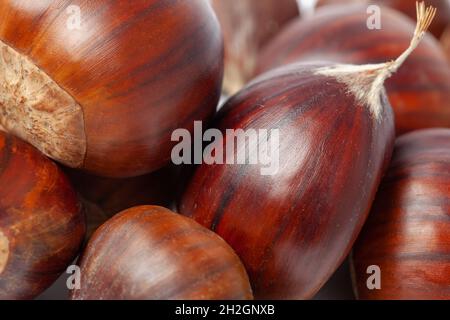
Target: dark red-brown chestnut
292 226
100 85
419 92
150 252
406 6
407 234
41 223
292 229
247 25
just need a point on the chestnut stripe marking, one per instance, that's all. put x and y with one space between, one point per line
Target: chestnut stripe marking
4 251
130 23
187 48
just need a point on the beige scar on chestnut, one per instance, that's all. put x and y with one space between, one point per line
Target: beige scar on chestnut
35 108
4 251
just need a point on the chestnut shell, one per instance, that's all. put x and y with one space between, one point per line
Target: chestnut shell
149 252
408 232
139 70
41 221
292 229
419 92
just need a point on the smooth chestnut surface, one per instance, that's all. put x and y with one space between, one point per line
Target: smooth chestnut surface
106 93
247 25
408 231
150 252
41 224
408 7
419 92
293 229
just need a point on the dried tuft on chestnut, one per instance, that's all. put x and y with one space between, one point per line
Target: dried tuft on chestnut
105 93
407 235
247 25
149 252
41 223
419 92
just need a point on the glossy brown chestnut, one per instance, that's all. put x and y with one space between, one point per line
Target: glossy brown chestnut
293 226
419 92
407 6
101 85
41 224
247 25
407 234
149 252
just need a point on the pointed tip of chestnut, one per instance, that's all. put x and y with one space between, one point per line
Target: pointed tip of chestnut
419 92
150 252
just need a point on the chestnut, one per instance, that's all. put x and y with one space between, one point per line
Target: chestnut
247 25
149 252
407 7
407 235
294 226
419 92
101 85
41 223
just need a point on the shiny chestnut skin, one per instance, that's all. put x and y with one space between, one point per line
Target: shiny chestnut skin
150 252
106 93
292 229
419 92
41 222
407 7
407 234
247 25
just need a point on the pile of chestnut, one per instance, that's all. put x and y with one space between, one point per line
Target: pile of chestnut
91 92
